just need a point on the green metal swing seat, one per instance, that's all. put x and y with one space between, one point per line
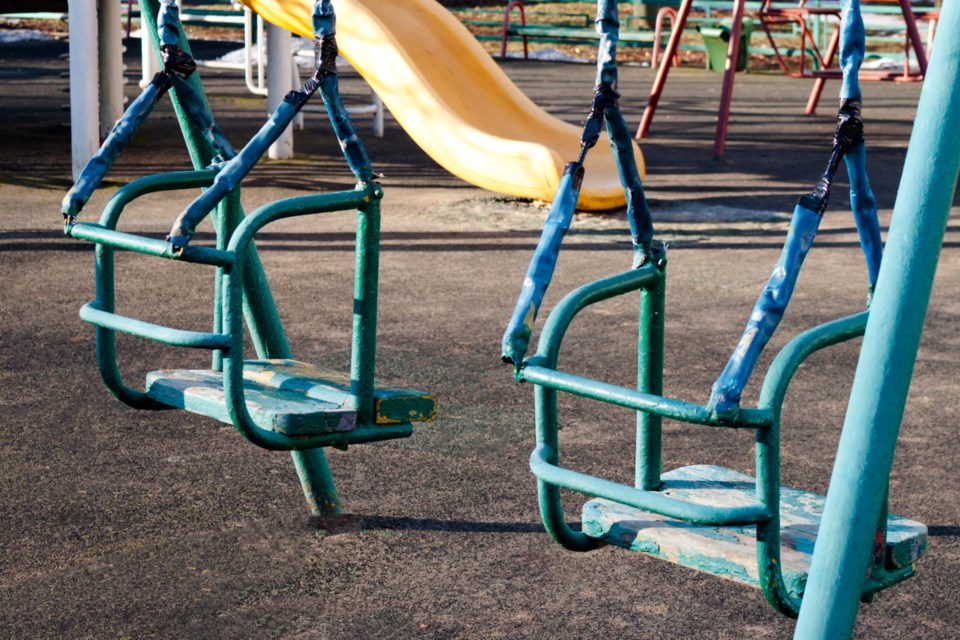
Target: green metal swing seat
712 519
274 402
300 404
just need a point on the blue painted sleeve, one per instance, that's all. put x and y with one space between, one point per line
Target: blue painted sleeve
608 26
864 206
766 315
324 31
230 175
168 23
852 46
638 213
516 339
97 167
353 149
324 19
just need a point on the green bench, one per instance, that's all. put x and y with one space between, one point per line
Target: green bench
565 28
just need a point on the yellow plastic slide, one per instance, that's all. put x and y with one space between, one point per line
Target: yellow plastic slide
454 101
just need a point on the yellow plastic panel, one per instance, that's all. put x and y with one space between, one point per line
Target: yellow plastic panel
454 101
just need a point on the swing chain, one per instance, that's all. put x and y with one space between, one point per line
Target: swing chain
325 52
605 97
849 132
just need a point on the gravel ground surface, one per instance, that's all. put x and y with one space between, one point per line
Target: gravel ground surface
123 524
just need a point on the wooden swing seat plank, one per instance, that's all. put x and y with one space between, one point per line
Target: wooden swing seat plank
288 397
731 552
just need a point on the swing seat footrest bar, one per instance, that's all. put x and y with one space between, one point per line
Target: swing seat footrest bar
731 552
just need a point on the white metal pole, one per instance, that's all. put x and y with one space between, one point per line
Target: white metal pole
111 65
279 84
377 115
150 62
84 110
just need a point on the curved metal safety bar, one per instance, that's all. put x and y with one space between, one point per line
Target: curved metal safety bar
148 246
548 471
92 313
789 359
772 394
156 183
367 201
548 349
359 198
639 401
107 239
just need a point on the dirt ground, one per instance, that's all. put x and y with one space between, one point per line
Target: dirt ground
125 524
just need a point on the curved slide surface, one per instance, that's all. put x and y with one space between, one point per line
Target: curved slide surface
454 101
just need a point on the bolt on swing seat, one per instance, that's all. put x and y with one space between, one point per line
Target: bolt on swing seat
712 519
273 401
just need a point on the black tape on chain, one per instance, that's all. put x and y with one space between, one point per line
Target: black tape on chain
298 98
849 125
162 82
605 97
325 53
849 132
177 61
325 56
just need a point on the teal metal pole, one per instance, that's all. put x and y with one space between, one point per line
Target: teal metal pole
865 454
366 277
650 380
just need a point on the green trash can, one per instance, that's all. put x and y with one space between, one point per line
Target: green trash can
716 40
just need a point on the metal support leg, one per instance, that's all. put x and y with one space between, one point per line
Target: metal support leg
377 115
726 96
110 46
819 83
888 355
317 481
149 61
664 70
84 95
364 347
650 380
914 35
279 84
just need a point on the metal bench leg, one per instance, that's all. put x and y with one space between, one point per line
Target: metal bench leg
726 96
661 81
819 83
